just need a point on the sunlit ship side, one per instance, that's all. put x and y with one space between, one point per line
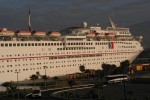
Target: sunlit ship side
62 52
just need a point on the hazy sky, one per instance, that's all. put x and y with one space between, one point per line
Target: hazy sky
59 14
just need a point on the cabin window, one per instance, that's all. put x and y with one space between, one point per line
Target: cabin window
25 44
39 44
18 44
21 44
2 44
14 44
6 45
45 44
32 44
10 44
29 44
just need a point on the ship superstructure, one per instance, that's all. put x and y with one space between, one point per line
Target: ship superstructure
62 52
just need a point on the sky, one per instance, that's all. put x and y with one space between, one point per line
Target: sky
59 14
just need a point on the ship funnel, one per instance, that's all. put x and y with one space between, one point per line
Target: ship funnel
84 24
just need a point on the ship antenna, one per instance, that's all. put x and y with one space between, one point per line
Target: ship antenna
29 23
112 23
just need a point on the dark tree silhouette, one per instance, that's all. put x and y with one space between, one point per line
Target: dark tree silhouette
106 69
82 68
11 88
33 77
56 79
125 66
44 77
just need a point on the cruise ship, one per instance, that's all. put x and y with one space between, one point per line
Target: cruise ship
63 52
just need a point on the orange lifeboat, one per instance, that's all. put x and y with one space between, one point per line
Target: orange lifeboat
23 33
55 34
39 33
5 32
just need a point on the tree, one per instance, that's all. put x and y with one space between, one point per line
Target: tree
112 69
44 77
11 88
106 68
82 68
125 66
33 77
56 79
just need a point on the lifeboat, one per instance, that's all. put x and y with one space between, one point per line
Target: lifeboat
90 35
23 33
39 33
5 32
55 34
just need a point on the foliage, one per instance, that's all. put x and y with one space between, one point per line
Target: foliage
82 68
108 69
87 71
56 79
125 66
34 77
11 88
44 77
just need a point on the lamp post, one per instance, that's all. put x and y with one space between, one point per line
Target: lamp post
45 69
17 82
45 74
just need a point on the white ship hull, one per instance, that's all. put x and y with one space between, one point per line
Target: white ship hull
29 57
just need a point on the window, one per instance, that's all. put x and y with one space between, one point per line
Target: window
10 44
14 44
32 44
6 45
18 44
21 44
2 44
